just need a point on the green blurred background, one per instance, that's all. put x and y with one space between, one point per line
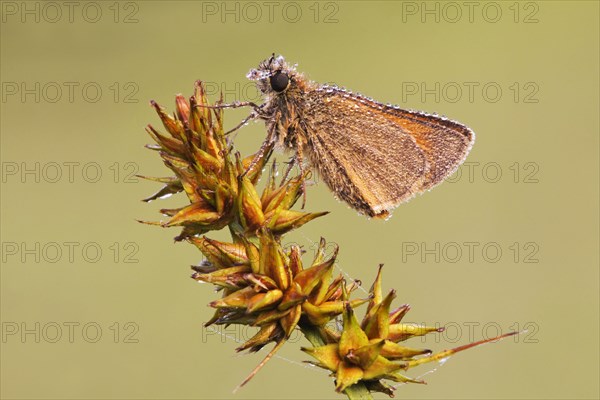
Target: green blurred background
127 322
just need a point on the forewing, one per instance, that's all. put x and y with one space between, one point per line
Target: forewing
375 157
444 142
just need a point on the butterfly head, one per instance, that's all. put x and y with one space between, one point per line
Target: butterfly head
274 75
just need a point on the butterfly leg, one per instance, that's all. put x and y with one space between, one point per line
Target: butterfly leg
290 165
235 104
250 117
300 160
264 149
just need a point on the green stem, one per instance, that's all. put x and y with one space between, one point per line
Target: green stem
358 391
312 334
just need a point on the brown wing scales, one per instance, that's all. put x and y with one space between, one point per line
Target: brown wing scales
444 142
375 157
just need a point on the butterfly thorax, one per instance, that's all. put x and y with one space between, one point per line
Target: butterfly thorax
284 113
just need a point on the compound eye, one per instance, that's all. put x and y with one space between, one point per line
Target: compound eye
279 82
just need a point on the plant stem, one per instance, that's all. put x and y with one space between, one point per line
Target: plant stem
358 391
312 335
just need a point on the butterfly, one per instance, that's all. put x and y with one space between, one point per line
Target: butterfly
372 156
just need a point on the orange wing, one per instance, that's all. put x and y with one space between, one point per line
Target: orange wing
375 157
